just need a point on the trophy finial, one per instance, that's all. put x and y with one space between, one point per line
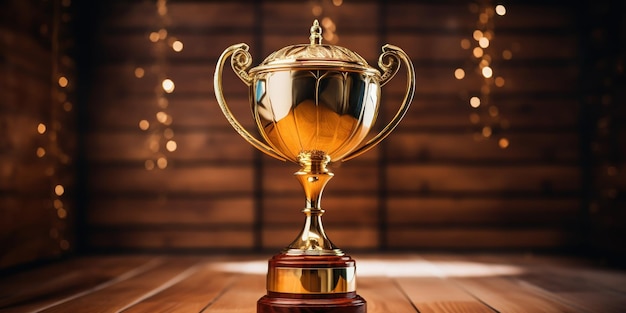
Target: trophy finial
316 33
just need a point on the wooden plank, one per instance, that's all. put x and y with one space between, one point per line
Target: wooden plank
540 147
192 15
51 285
452 16
286 17
190 146
135 47
383 295
201 112
479 237
432 294
522 111
212 179
485 211
500 292
206 211
117 296
483 178
192 294
575 292
240 297
168 239
422 47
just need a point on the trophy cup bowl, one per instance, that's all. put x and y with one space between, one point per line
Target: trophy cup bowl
313 104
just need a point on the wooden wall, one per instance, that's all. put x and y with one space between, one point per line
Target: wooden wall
437 183
37 136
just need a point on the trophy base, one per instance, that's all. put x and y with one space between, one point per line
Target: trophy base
311 284
288 303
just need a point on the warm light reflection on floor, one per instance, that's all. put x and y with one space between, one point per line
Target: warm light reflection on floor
394 268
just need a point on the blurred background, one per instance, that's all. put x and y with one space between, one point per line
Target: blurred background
111 140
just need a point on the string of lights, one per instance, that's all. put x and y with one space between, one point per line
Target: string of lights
57 148
485 115
159 127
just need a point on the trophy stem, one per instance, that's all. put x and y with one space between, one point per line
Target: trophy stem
313 176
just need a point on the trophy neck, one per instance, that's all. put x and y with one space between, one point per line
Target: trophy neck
313 177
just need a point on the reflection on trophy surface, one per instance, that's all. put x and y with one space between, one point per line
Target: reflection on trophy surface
313 104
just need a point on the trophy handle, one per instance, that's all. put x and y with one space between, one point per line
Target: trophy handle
240 62
389 62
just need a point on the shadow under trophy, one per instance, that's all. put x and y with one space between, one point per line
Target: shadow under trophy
313 104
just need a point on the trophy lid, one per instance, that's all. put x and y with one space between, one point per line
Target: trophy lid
315 55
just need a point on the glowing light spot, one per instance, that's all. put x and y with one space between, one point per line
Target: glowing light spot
487 72
161 116
483 42
63 82
499 81
154 36
483 63
67 106
66 3
316 10
149 165
477 34
177 46
162 7
507 54
162 102
474 102
465 44
500 10
57 203
484 18
486 131
168 133
64 244
459 73
477 52
493 111
162 33
41 128
328 23
59 190
337 3
41 152
154 145
168 85
61 213
171 146
162 162
503 143
139 72
144 125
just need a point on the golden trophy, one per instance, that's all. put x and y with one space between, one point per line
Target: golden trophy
313 104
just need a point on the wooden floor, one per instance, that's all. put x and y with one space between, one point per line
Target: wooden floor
389 283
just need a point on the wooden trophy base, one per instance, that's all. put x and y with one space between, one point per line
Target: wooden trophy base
311 284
